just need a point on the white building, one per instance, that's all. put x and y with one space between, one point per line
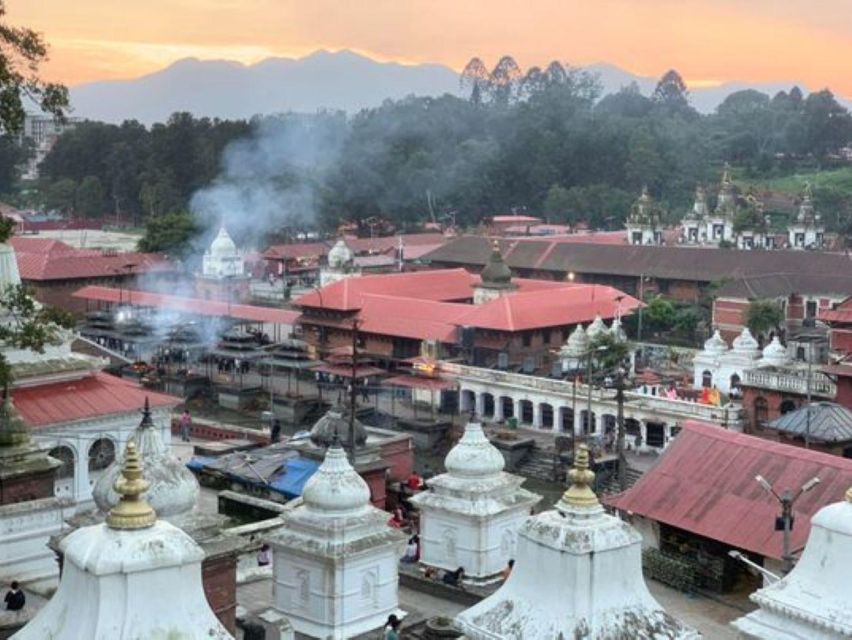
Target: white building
132 577
335 559
719 366
470 516
340 264
577 574
813 601
644 224
719 225
42 131
223 271
807 231
694 229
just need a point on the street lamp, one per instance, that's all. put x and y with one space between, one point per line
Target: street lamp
785 522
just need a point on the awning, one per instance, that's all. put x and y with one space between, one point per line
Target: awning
416 382
296 473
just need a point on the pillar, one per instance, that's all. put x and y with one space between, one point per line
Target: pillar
519 416
558 419
480 406
643 431
498 409
578 421
537 415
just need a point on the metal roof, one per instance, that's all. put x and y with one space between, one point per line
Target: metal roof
828 422
704 483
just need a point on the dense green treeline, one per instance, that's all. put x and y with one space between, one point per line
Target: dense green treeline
543 142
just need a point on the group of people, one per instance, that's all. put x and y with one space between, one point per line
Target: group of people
711 395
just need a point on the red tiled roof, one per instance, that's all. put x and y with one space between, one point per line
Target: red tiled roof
45 259
357 245
515 219
836 315
93 396
704 483
548 308
195 306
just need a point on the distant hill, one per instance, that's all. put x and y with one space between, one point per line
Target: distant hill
342 80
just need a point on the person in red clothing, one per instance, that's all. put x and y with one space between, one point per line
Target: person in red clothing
415 482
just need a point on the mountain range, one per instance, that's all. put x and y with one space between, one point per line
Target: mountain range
322 80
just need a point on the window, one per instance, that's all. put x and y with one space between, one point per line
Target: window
707 379
761 411
545 336
811 309
637 237
526 339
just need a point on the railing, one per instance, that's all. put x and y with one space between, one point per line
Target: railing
678 409
790 382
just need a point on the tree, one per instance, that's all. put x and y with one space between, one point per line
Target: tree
506 78
763 317
613 353
60 195
90 198
22 50
671 95
12 155
170 234
660 314
475 80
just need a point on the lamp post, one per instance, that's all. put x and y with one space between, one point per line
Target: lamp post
785 522
619 437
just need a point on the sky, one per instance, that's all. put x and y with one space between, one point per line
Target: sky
708 41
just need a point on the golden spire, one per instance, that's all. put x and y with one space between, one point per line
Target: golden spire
495 245
132 511
580 494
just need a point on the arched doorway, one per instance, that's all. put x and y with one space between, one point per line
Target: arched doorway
468 401
761 411
526 412
487 405
63 483
508 407
546 415
101 455
735 381
787 406
707 379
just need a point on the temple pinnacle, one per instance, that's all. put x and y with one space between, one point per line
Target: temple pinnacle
132 511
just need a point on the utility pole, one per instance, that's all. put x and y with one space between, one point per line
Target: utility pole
352 389
786 500
574 416
619 441
641 299
808 406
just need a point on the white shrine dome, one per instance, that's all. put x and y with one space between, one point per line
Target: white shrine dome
474 456
222 245
617 330
173 488
814 600
577 343
715 344
336 488
340 255
596 328
774 354
745 343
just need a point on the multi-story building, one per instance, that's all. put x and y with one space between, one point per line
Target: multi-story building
42 132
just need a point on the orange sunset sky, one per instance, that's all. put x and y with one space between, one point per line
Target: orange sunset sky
708 41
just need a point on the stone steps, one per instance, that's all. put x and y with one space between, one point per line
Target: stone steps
539 464
612 486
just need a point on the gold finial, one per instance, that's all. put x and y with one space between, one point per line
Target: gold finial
580 494
495 245
849 494
132 511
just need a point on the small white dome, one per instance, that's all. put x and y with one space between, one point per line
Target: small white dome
577 343
340 255
775 353
222 244
173 489
596 328
715 344
617 330
336 488
745 342
474 456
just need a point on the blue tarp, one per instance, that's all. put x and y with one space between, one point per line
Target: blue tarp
292 481
197 463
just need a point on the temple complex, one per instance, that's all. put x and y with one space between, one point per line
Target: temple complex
335 557
577 574
133 576
470 516
223 271
814 600
723 367
807 231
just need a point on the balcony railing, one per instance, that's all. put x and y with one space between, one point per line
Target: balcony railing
790 382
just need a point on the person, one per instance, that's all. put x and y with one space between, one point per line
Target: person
264 555
185 425
715 396
414 482
397 520
15 598
391 629
705 396
507 570
275 434
454 578
431 573
412 550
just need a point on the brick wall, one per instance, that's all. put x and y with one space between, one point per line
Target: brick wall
219 577
25 488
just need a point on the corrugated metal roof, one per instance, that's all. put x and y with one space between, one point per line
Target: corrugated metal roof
90 397
704 483
195 306
828 422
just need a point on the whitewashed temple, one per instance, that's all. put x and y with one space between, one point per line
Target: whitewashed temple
577 574
132 577
470 516
223 271
722 366
335 558
814 600
340 264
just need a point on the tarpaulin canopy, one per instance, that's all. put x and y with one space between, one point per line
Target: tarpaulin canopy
291 483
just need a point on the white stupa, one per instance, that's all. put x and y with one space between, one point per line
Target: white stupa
133 577
173 490
725 366
575 349
335 557
222 259
596 329
813 601
577 574
340 264
774 354
470 516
